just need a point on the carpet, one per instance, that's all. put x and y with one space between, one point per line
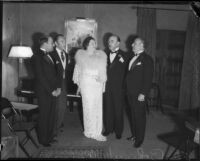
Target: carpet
74 152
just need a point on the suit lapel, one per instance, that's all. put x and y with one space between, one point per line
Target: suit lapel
137 60
46 58
134 63
58 58
108 59
66 57
115 59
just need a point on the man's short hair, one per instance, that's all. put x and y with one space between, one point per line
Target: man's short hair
118 38
57 36
42 40
142 39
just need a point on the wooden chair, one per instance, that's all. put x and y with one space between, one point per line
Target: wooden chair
187 122
17 124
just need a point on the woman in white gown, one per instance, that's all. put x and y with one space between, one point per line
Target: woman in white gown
90 76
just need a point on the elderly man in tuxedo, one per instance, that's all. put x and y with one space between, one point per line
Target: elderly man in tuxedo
138 83
61 60
47 88
114 94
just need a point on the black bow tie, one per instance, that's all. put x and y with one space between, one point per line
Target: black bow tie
46 53
135 54
112 52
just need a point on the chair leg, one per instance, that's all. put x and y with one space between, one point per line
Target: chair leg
28 133
147 107
159 101
187 149
70 106
172 154
24 150
165 155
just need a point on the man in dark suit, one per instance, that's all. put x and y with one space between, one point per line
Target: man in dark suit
113 107
138 83
47 88
61 60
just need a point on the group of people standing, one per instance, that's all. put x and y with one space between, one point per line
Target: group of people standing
105 81
50 68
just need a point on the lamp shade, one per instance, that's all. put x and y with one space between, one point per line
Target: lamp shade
20 52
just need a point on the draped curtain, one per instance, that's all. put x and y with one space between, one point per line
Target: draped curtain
189 97
146 28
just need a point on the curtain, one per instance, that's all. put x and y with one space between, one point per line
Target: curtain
146 28
189 97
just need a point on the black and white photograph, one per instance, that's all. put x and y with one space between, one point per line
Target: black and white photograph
100 80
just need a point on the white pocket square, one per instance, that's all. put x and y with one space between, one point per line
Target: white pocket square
57 62
139 63
121 60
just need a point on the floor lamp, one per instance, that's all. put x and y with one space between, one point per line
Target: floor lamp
20 52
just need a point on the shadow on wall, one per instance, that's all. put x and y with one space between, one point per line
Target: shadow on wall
35 39
129 42
105 41
53 35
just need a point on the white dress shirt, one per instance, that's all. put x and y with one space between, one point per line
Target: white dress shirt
59 53
112 56
133 59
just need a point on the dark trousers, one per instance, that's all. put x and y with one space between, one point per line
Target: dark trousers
46 119
113 112
137 117
61 104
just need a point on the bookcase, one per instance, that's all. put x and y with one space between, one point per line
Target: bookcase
169 60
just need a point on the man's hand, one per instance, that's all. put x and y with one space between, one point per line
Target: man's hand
141 97
54 93
98 79
58 91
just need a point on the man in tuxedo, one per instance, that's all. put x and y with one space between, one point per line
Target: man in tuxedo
47 89
114 94
138 84
61 60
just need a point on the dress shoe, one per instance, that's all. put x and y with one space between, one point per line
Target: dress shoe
53 141
118 136
132 138
46 145
137 144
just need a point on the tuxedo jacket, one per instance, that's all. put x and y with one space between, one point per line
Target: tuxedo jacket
116 70
45 74
139 77
59 66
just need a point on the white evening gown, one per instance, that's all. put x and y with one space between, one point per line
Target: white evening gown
91 92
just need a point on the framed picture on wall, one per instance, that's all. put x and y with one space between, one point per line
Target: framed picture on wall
77 30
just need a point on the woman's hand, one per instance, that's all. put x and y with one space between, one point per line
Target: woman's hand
98 79
78 92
